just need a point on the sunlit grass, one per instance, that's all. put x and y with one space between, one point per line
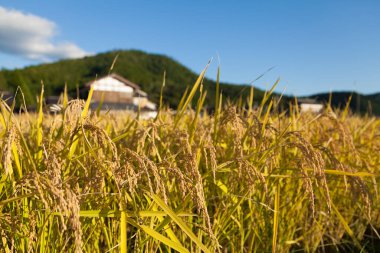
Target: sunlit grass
242 179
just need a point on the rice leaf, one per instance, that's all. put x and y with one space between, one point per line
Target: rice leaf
172 244
39 123
275 218
179 222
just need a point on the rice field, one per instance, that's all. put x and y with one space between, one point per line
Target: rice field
237 180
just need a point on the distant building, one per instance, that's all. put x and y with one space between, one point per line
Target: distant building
6 96
119 93
50 100
310 105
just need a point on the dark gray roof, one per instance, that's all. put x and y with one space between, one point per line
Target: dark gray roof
308 101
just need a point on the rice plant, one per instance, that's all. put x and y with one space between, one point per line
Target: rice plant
240 179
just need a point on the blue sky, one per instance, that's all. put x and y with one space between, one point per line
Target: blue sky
315 46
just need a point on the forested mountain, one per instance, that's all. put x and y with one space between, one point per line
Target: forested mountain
144 69
147 70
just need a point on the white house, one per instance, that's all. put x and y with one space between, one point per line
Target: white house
310 105
119 93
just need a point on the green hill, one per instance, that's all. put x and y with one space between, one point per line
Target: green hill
146 70
142 68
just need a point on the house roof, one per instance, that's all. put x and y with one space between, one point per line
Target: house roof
6 96
308 101
119 78
141 93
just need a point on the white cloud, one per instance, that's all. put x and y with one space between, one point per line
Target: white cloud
31 36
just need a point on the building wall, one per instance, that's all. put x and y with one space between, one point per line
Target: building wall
114 91
311 107
112 97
